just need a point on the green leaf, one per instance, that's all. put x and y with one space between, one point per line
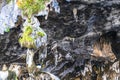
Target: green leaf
31 7
40 34
7 29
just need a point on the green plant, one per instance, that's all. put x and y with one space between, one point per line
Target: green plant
26 40
31 7
40 34
28 30
12 75
8 1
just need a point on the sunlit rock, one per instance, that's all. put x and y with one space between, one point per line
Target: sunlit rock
75 14
35 71
43 76
102 47
4 73
8 16
115 67
56 6
53 76
31 67
17 69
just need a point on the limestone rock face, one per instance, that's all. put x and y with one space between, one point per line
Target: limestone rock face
71 43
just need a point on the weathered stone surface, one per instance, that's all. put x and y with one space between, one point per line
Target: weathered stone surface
70 43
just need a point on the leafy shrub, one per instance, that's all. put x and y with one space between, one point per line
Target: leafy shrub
31 7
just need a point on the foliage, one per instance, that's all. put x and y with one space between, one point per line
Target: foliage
7 29
8 1
26 40
40 34
31 7
12 75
